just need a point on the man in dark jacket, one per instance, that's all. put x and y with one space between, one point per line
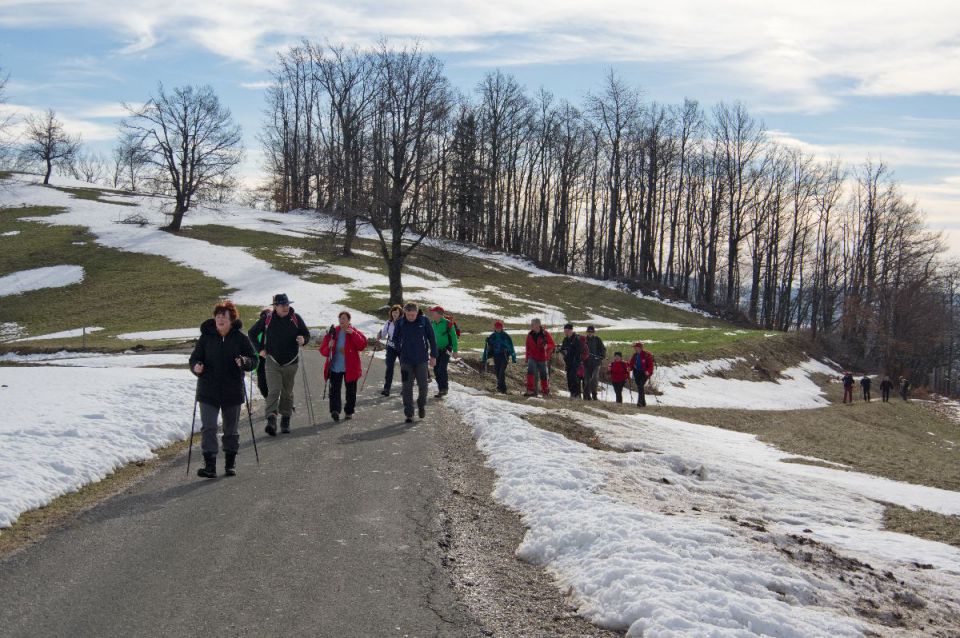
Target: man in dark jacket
847 387
499 346
280 335
220 360
572 351
885 386
865 383
596 353
416 346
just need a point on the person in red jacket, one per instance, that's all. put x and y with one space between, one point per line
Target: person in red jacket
619 373
342 346
641 363
540 347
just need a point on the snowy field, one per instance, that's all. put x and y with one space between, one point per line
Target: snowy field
98 413
38 278
648 538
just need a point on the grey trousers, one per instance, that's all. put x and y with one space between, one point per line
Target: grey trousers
208 428
591 378
408 374
280 384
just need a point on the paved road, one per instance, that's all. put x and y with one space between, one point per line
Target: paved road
335 535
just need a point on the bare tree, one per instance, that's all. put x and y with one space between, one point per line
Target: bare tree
88 167
192 141
130 160
48 142
5 119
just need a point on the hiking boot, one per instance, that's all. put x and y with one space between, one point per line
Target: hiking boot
209 469
285 425
409 419
441 394
335 416
529 394
230 467
271 428
421 412
347 417
385 392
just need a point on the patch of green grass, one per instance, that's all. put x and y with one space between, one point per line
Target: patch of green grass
6 175
95 194
923 524
121 291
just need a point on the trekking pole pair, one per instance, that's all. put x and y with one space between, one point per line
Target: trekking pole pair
193 422
373 353
307 394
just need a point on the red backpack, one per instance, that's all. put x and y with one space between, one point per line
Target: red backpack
452 322
584 350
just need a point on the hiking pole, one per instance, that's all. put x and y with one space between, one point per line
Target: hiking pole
373 353
246 400
193 424
306 392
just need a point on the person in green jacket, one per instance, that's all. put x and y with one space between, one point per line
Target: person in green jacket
447 344
499 345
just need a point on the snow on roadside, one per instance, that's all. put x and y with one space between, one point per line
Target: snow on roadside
63 334
120 361
637 568
39 278
91 422
161 335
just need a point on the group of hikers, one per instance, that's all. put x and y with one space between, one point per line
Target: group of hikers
886 385
224 354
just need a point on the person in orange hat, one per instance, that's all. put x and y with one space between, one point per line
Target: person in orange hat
499 345
642 365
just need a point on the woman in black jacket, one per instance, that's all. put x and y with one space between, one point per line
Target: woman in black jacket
221 358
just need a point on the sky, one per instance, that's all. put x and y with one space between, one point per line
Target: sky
840 78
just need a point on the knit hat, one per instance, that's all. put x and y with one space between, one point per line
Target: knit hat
498 325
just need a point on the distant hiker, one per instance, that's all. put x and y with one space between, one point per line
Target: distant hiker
865 383
595 354
445 331
280 334
386 335
416 347
641 363
848 382
904 389
885 386
262 365
220 360
539 350
572 350
499 346
619 374
342 346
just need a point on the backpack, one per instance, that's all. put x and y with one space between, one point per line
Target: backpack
584 349
269 318
452 322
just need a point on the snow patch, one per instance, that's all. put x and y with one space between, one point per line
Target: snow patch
38 278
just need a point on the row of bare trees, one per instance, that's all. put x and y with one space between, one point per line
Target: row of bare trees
700 204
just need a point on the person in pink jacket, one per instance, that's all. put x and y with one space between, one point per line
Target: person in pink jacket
342 346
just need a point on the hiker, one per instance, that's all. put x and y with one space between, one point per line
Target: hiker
539 349
342 346
386 335
572 351
416 346
865 387
280 334
220 360
595 353
262 365
445 331
885 386
904 389
641 363
499 346
619 374
847 387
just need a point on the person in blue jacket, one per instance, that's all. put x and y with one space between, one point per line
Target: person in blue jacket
416 347
499 346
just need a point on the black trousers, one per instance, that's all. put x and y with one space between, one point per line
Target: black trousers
641 380
866 394
391 362
336 401
440 371
618 390
573 381
408 374
500 369
886 394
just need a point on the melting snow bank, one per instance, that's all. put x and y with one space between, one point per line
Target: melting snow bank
38 278
651 542
64 334
91 422
691 385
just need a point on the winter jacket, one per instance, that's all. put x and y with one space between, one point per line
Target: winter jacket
414 340
865 383
499 344
572 349
848 380
221 383
595 348
280 337
446 335
619 371
886 384
540 345
386 332
353 345
642 364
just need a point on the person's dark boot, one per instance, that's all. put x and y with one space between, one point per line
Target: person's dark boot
335 416
285 425
271 428
230 467
209 469
409 419
347 417
422 412
385 392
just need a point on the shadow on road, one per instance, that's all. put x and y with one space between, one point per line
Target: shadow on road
385 432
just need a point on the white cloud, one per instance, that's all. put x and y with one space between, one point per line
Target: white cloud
72 123
256 86
803 56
